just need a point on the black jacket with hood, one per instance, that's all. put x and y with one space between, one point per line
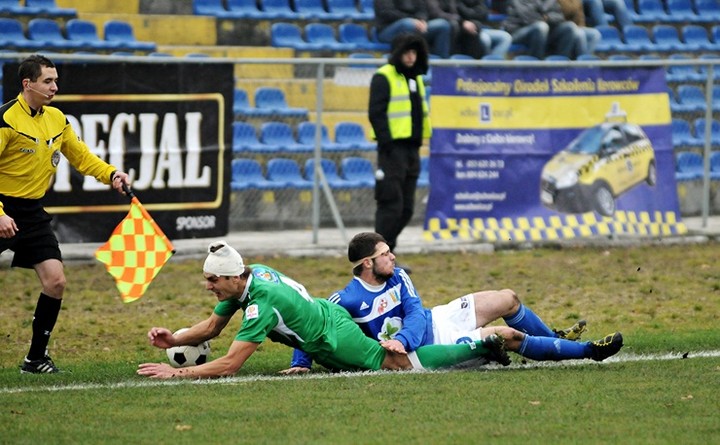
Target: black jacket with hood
380 91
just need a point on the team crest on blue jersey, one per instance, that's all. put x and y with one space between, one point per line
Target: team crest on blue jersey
266 274
55 159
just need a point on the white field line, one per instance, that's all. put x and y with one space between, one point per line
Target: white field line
147 383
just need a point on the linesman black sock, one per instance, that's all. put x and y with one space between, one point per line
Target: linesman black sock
46 314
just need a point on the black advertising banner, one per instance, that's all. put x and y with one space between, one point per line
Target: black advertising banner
167 125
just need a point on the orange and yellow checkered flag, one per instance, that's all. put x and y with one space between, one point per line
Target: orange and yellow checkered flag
135 252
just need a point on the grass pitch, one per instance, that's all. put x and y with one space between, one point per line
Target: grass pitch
665 300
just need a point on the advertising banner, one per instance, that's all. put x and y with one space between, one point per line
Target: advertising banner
167 125
532 154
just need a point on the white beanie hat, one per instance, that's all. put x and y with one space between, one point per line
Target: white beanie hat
223 260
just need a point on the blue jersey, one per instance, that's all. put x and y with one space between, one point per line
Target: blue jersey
389 311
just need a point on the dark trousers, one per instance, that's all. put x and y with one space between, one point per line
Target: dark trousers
395 192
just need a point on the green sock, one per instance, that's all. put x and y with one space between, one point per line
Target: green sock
445 356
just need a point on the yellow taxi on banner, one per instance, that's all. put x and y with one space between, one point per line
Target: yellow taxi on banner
599 165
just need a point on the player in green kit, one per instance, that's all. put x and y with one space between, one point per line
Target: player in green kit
276 307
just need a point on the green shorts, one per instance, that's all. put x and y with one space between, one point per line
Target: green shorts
354 350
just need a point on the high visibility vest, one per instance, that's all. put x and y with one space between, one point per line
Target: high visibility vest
400 106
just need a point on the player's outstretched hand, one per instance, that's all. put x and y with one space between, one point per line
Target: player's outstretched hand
161 338
156 370
294 370
393 346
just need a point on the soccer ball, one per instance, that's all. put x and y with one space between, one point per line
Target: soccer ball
188 355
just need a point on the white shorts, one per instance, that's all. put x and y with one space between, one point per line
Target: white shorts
455 322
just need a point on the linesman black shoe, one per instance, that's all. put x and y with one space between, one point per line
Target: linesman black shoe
495 346
606 347
573 332
44 365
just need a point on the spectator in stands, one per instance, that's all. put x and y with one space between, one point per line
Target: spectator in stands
395 17
586 38
471 38
541 26
398 113
595 12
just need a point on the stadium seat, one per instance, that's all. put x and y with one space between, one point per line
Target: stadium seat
357 35
683 73
716 97
306 136
637 39
580 57
667 39
651 11
242 107
697 37
688 166
681 11
367 10
49 33
280 135
352 136
13 7
323 35
424 178
245 9
159 54
85 31
682 135
557 58
287 172
245 140
620 57
12 36
122 32
50 8
289 35
344 10
632 11
708 11
714 130
312 10
691 98
272 100
213 8
331 175
358 169
278 10
702 69
610 39
247 174
715 165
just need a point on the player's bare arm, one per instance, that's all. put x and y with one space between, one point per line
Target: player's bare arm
8 228
224 366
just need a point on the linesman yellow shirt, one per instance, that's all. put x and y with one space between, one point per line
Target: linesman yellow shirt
30 147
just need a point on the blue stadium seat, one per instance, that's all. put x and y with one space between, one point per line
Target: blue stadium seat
13 7
620 57
12 36
708 11
289 35
691 98
245 9
242 107
245 140
357 35
278 10
330 170
702 69
85 31
122 32
651 11
716 97
306 136
715 165
681 11
580 57
352 136
280 135
159 54
683 73
312 10
632 11
49 33
344 10
272 100
637 39
358 169
688 166
323 35
714 130
247 174
287 172
698 37
557 58
424 178
50 8
682 135
610 39
213 8
667 39
367 10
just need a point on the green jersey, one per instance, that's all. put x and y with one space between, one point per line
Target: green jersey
279 308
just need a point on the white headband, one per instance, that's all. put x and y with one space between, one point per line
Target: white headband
223 260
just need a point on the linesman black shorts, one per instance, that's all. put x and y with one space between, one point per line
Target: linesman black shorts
35 240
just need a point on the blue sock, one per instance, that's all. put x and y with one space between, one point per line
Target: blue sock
526 321
550 348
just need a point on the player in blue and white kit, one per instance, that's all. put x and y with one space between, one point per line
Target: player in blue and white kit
382 299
